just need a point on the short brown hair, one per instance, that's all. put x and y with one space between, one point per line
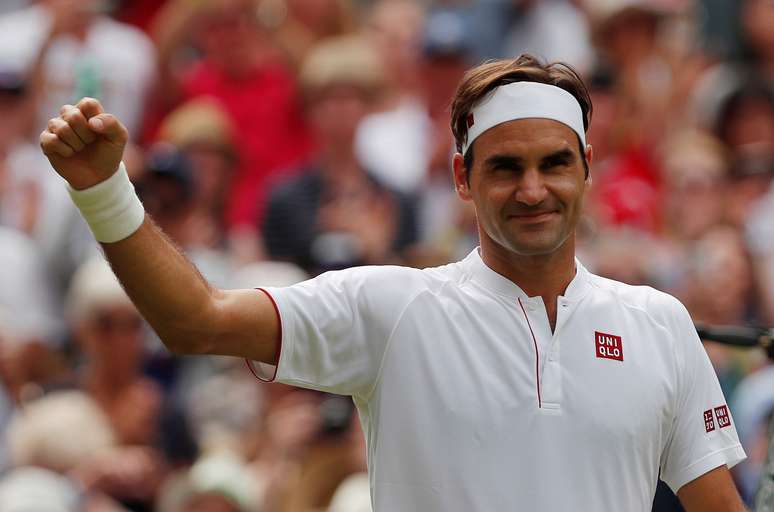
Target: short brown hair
481 80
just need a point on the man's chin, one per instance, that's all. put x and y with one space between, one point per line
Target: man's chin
534 247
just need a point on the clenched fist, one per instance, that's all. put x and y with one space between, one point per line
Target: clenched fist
84 144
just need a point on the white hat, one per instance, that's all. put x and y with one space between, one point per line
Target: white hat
31 489
58 431
94 286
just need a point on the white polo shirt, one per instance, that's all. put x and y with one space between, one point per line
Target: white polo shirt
470 403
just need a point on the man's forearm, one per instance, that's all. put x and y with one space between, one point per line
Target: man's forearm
85 145
167 289
189 315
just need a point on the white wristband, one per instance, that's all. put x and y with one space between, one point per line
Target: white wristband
111 207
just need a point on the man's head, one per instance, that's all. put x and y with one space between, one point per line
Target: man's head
525 166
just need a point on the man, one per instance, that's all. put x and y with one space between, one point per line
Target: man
512 380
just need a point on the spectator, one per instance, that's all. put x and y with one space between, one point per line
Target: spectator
745 123
757 19
36 205
695 175
216 483
109 331
746 117
553 29
81 445
242 68
722 286
38 489
298 25
171 193
71 49
754 64
642 79
26 297
204 133
80 432
401 118
753 405
334 213
760 242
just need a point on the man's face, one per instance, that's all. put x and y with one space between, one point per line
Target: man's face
527 183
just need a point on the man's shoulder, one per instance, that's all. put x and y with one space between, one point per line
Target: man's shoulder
380 293
653 302
400 279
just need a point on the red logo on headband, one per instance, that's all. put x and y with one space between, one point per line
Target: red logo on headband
470 120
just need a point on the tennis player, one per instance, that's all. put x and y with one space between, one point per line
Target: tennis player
511 380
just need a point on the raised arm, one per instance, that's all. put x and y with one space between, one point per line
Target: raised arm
85 146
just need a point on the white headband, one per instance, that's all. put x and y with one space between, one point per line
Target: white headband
525 100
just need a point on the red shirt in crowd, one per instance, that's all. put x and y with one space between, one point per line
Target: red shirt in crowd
271 134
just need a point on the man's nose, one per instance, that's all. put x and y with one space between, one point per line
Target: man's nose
531 190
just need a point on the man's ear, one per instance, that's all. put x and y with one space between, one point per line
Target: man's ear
589 153
461 185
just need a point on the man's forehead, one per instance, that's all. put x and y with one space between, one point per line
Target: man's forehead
527 136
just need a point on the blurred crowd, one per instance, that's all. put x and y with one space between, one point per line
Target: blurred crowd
276 139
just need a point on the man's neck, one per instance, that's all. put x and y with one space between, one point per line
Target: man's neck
546 275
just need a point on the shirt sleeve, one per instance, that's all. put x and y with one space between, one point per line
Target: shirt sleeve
703 435
335 328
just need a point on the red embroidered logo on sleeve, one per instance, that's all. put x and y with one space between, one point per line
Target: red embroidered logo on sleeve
724 420
709 421
609 346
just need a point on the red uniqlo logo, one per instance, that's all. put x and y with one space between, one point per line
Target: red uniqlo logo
709 421
609 346
724 419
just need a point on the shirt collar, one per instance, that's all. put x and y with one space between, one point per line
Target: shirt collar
492 281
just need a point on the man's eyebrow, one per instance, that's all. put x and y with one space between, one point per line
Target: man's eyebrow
563 155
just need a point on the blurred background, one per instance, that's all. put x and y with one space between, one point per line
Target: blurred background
277 139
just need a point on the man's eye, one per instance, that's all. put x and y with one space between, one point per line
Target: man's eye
506 168
562 162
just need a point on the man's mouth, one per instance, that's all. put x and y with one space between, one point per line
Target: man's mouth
536 216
